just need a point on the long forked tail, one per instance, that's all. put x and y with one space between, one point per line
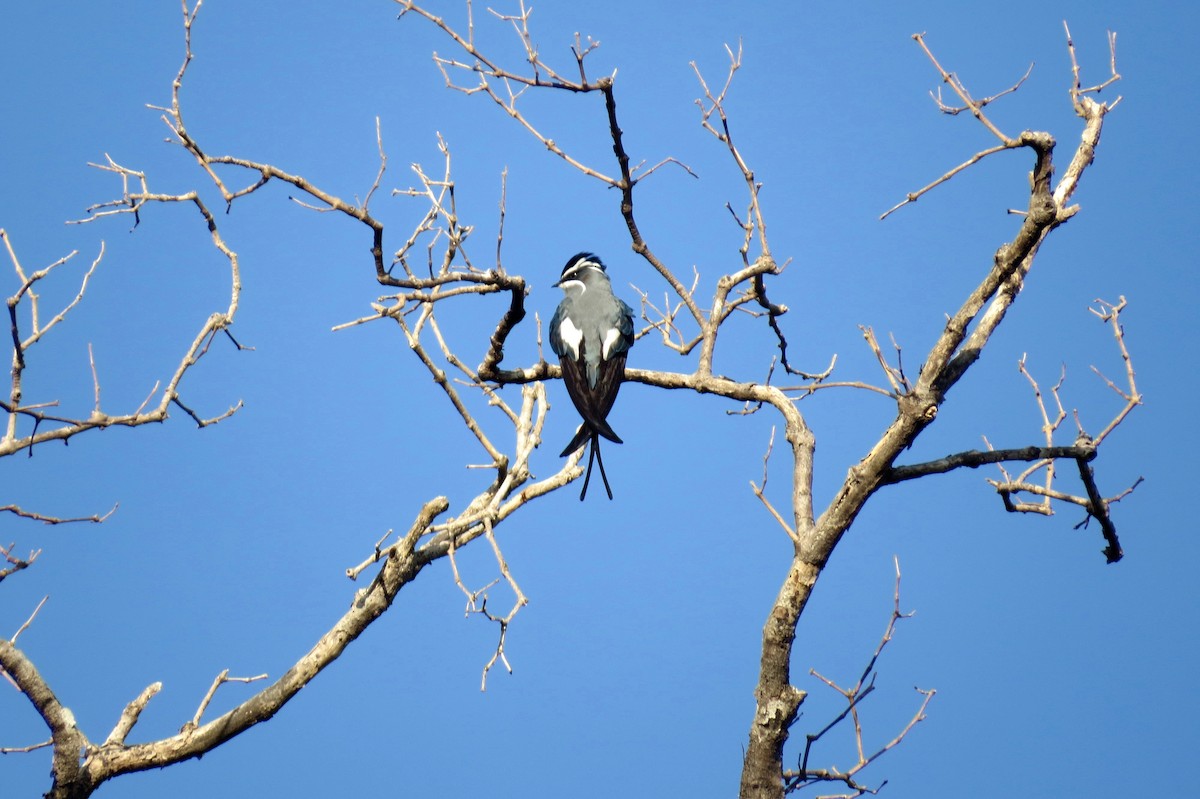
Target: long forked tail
594 455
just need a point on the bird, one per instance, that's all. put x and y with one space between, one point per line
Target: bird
591 333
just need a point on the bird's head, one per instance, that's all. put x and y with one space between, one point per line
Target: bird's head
580 272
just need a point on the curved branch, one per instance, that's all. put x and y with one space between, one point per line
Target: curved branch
68 739
130 202
113 758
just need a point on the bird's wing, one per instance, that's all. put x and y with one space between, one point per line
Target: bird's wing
626 328
556 342
612 374
594 404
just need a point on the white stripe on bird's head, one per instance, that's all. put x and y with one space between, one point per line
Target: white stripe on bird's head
579 263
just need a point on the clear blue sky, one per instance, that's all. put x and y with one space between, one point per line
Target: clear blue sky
1056 674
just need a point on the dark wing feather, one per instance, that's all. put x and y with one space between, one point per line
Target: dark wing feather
556 342
593 404
626 327
608 383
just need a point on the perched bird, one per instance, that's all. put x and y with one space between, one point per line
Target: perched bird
591 333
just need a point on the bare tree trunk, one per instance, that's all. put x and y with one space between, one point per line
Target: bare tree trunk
777 699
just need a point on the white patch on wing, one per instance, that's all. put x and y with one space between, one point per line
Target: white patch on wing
571 336
610 340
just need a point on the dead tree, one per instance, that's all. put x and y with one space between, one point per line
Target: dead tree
433 264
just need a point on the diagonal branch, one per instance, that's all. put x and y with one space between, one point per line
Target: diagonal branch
1098 510
970 103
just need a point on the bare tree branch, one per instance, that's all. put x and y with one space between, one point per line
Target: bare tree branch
804 776
130 715
63 427
959 346
16 564
973 459
94 518
220 680
509 436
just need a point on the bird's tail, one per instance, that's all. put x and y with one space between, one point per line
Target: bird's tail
594 455
585 433
581 437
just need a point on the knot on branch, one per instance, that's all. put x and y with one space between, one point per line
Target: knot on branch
780 713
1039 140
918 406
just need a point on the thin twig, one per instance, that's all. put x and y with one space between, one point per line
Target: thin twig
220 680
28 621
